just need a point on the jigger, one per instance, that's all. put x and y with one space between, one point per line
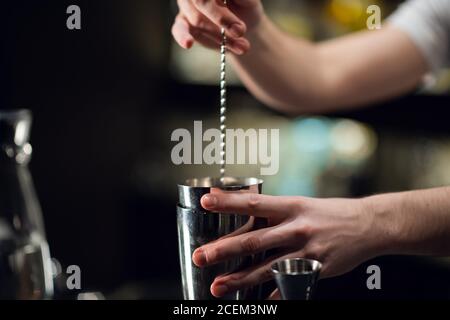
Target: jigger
197 227
296 278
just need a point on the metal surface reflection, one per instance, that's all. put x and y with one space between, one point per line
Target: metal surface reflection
25 265
197 227
296 278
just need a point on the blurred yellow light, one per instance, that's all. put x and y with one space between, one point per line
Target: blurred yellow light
352 140
351 13
346 11
294 24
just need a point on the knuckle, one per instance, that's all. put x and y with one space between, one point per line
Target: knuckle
178 18
196 19
300 234
222 20
314 251
216 254
294 205
307 231
222 202
283 237
173 30
251 244
253 202
175 26
200 3
215 14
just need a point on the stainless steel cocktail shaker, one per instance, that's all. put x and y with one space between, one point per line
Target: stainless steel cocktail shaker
197 227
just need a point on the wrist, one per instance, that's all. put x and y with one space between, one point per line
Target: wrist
253 17
384 225
259 33
257 24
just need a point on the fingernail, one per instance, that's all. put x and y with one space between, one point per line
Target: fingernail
220 290
236 30
209 201
189 43
199 257
238 50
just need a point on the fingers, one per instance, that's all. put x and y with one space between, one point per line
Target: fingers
220 15
208 35
205 39
180 32
185 34
201 21
249 204
244 229
275 295
230 283
247 227
194 17
242 245
250 277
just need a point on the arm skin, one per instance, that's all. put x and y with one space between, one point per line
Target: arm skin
419 221
294 75
341 233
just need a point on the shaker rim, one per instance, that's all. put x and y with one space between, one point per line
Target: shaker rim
215 182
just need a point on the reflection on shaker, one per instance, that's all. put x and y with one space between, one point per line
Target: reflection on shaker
197 227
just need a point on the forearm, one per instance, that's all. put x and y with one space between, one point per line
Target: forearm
279 69
295 76
415 222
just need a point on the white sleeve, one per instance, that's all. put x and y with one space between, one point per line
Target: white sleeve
427 22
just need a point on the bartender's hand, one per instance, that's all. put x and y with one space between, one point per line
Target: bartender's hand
337 232
340 233
201 21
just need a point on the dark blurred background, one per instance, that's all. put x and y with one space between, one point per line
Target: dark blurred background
106 98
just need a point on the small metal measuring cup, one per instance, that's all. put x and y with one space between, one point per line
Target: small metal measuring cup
296 278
